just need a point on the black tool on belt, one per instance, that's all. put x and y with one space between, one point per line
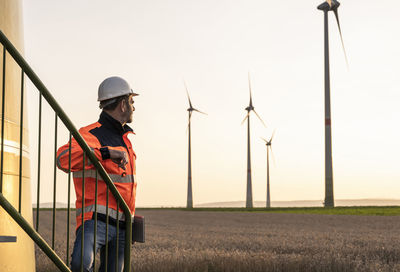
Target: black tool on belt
138 229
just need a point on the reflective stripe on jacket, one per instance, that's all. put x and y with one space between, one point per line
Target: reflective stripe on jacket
101 136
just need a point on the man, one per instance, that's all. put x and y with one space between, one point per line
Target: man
108 139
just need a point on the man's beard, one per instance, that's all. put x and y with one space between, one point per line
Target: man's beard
129 117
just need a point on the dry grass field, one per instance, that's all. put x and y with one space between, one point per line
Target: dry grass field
179 240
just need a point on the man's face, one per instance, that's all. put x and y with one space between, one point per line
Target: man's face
129 109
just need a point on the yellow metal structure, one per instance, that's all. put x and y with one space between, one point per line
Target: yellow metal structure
19 256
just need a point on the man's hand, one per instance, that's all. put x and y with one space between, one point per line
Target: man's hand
119 157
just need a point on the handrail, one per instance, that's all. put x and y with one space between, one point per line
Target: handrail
75 133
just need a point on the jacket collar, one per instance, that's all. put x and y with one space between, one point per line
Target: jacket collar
108 121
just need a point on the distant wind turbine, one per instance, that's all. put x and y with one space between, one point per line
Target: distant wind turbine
249 191
268 143
189 203
329 5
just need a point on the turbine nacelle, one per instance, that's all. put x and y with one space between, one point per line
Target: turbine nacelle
249 108
329 5
269 142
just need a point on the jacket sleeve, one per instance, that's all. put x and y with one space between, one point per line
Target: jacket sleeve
77 154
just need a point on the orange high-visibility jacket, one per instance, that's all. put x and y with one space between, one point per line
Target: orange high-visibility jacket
101 136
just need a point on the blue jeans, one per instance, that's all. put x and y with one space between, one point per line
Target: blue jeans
89 255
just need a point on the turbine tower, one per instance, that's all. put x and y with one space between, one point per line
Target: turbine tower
249 191
189 203
329 5
269 147
16 247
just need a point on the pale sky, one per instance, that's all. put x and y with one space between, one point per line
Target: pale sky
73 45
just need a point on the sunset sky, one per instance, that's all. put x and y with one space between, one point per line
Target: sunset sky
155 44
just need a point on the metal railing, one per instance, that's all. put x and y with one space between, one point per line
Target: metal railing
88 154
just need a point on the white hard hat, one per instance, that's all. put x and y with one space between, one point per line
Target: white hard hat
114 87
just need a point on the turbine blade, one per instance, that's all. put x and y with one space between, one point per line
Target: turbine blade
187 92
200 111
247 116
335 11
273 133
251 102
260 118
264 140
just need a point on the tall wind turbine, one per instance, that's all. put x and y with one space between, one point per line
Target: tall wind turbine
329 5
189 203
249 191
268 143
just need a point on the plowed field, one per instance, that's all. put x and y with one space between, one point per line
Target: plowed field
238 241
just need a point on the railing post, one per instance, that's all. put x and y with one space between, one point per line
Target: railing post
107 199
21 123
39 156
69 195
117 242
55 182
128 242
2 119
83 213
95 222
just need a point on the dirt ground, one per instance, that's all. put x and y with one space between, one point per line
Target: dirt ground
237 241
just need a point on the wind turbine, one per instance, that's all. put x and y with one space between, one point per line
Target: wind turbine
249 191
329 5
268 143
189 203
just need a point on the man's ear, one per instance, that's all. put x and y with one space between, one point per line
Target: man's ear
122 105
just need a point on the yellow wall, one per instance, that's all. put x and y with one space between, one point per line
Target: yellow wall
18 256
